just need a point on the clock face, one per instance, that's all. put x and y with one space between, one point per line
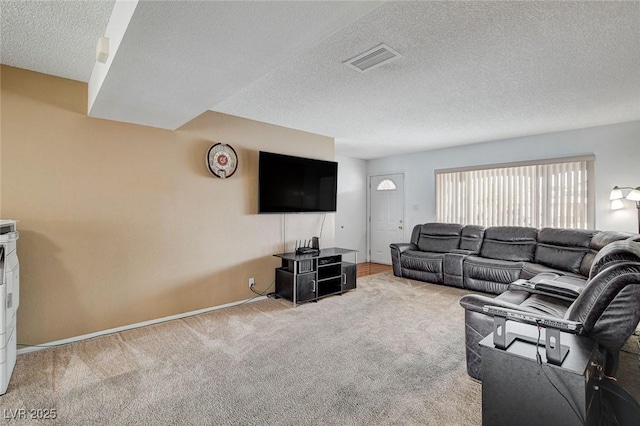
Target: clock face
222 160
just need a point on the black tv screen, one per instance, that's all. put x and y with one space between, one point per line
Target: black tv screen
290 184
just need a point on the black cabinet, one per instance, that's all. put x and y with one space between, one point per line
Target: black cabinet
306 287
349 273
307 277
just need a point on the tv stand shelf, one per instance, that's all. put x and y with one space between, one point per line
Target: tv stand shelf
309 277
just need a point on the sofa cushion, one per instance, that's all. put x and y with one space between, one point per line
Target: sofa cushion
439 237
422 266
618 252
422 261
563 249
490 275
530 270
471 238
502 271
415 234
513 243
545 304
453 268
604 238
598 241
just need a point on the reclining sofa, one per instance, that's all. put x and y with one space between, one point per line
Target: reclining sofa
491 260
608 307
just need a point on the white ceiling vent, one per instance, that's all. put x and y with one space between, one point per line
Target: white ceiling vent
372 58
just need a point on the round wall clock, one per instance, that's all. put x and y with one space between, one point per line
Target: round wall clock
222 160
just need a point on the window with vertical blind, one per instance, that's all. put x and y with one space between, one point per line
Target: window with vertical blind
546 193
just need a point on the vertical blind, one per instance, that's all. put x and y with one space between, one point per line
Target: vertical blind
552 193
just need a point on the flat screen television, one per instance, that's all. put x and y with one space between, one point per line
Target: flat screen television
288 184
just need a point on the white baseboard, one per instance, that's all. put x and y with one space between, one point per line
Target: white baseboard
132 326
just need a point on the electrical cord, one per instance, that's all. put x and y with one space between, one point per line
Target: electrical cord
322 226
264 293
538 356
539 361
284 234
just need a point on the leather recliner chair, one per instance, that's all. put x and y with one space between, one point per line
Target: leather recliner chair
608 308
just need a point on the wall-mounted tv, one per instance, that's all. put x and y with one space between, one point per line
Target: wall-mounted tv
288 184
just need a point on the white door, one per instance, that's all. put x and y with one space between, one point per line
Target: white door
386 223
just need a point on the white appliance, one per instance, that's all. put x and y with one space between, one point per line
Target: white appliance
9 300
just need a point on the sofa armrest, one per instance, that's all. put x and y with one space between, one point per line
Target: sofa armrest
561 287
453 267
396 251
467 252
476 303
402 247
534 318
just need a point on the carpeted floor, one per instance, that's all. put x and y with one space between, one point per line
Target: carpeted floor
391 352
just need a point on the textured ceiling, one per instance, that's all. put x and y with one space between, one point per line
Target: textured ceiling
469 71
177 59
53 37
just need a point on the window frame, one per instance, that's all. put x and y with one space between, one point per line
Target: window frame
590 179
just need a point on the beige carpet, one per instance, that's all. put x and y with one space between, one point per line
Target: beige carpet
391 352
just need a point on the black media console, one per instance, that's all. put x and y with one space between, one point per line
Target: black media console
309 277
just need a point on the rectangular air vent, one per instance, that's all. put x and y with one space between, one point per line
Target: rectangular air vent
372 58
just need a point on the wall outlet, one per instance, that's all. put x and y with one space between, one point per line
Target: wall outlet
252 281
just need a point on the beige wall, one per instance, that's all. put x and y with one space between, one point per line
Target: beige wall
122 223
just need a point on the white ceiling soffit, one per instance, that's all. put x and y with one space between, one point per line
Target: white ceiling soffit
178 58
53 37
119 21
469 72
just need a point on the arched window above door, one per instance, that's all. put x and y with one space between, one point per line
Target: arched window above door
386 185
